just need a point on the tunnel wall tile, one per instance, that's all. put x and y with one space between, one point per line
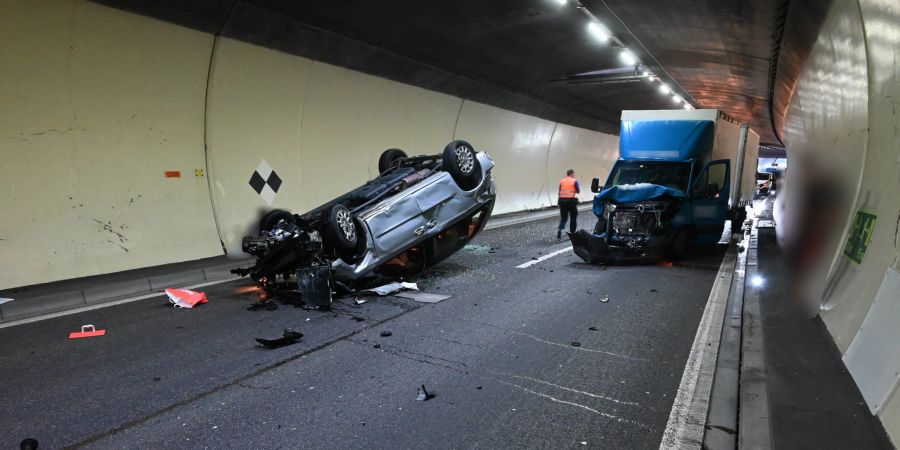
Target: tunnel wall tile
97 106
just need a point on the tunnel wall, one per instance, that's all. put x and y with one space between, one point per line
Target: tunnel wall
96 106
842 130
104 103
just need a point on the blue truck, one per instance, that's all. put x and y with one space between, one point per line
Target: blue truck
681 174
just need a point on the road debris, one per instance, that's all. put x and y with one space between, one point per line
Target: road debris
386 334
605 299
391 288
576 344
28 444
424 297
376 346
593 329
265 305
289 337
185 298
424 395
664 263
86 332
359 301
5 300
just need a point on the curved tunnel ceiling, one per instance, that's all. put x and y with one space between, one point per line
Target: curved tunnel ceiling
525 55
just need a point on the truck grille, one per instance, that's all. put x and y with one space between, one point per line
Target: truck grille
633 222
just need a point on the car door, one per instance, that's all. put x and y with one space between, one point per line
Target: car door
396 224
709 200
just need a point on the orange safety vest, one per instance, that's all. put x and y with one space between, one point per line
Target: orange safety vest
567 188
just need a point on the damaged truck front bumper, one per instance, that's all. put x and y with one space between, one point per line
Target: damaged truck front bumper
634 249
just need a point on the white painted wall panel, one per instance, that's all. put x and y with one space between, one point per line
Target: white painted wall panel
519 145
873 356
255 108
350 118
591 154
97 105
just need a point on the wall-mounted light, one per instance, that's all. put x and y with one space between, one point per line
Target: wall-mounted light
627 57
598 31
561 2
676 98
665 89
688 106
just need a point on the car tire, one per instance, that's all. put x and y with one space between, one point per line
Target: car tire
271 218
358 252
389 158
461 161
341 231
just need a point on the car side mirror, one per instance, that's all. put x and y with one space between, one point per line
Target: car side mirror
595 185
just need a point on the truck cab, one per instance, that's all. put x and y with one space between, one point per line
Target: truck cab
674 184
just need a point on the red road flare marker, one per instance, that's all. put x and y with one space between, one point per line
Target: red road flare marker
86 331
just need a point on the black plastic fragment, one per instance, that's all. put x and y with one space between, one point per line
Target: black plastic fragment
576 344
386 333
424 395
266 305
593 329
289 337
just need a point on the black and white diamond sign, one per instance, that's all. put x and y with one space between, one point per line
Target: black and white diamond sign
265 182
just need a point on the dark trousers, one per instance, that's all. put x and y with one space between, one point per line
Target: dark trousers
568 209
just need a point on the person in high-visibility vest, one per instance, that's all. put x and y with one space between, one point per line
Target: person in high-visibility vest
568 202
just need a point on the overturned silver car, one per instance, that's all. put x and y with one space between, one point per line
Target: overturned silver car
417 212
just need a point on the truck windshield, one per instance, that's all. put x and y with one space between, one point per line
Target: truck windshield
664 173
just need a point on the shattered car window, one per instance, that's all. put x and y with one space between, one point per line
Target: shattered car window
664 173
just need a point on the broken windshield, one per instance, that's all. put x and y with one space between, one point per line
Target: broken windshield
671 174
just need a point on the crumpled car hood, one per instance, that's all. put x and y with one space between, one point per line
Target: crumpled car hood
632 193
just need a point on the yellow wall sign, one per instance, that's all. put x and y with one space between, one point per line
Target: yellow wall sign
198 172
860 236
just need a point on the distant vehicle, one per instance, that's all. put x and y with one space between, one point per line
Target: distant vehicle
765 184
417 212
680 175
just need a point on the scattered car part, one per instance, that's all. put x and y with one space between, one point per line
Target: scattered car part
86 332
265 305
185 298
423 394
386 334
424 297
288 337
391 288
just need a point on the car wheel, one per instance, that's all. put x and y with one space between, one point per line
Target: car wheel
355 255
461 161
341 231
389 158
271 218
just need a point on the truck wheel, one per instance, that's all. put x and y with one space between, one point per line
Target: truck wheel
388 158
271 218
681 244
341 231
461 161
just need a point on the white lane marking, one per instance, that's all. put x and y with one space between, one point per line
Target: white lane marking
687 420
113 303
544 258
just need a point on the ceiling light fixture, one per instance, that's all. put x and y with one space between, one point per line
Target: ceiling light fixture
627 57
561 2
676 98
664 88
598 31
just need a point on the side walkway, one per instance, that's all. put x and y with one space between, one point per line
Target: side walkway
812 401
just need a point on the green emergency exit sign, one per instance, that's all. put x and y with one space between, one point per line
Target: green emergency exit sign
860 235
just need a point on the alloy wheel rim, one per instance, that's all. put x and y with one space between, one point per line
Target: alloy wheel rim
345 223
465 159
